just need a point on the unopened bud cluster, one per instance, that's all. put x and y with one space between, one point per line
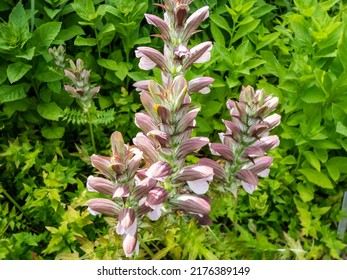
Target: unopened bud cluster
59 56
82 89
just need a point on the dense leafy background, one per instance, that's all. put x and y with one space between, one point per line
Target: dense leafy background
293 49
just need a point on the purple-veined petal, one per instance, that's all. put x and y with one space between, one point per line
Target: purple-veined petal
160 24
191 203
159 170
119 149
194 21
130 245
146 146
218 171
121 191
156 196
127 223
222 150
101 185
187 120
103 206
144 122
190 145
141 85
247 176
199 54
149 58
260 164
200 85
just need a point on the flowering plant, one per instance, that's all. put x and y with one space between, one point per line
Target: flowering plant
153 177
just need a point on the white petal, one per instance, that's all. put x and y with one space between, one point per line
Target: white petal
248 187
198 186
155 214
91 211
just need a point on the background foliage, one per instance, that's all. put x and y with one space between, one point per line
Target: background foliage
293 49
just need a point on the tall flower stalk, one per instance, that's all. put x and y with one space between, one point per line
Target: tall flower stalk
153 178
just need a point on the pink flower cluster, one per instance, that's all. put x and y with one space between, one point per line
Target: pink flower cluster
153 177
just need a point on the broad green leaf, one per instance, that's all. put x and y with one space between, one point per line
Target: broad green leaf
12 93
336 166
301 29
341 128
289 160
85 9
321 154
245 29
313 95
122 70
51 13
81 41
68 33
267 39
54 132
217 34
317 178
312 159
306 192
27 54
50 111
221 22
44 36
16 71
211 108
106 35
108 64
18 21
142 41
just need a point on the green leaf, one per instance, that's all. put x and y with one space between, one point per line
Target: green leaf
106 35
317 178
321 154
108 64
49 111
12 93
18 21
68 33
16 71
217 35
221 22
312 159
306 192
211 108
27 54
55 132
81 41
341 128
51 13
43 36
336 166
245 29
122 70
313 95
85 9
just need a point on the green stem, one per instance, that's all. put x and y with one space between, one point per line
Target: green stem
32 20
91 131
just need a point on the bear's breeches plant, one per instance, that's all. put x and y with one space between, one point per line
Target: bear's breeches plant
152 177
